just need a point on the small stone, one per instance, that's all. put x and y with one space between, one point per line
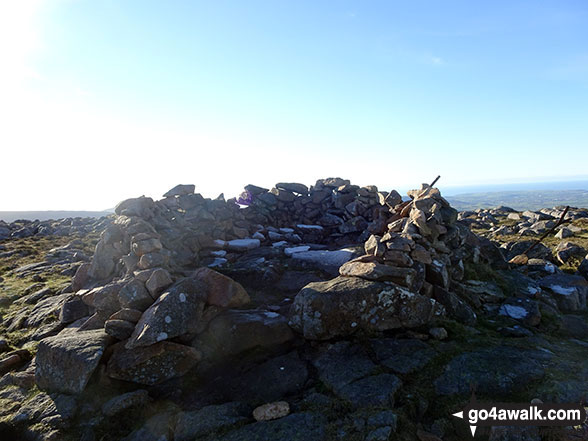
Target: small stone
438 333
271 411
159 280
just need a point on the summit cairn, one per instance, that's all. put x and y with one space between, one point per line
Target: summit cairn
402 280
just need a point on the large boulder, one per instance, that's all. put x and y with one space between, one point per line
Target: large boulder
346 305
176 312
152 364
236 332
570 292
65 363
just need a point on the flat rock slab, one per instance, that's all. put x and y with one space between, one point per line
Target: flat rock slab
341 364
328 261
294 427
46 310
152 364
66 363
209 419
272 380
237 331
402 356
241 245
346 305
377 390
497 371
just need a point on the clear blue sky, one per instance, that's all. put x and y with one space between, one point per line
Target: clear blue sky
112 99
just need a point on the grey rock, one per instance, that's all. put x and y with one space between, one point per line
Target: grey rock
377 271
455 306
209 419
180 190
130 315
72 310
103 262
524 310
157 428
158 281
345 305
385 418
342 363
242 245
293 187
152 364
270 381
65 363
403 356
565 251
235 332
119 329
146 246
134 295
379 434
499 371
328 261
294 427
125 401
377 390
46 310
54 410
176 312
569 291
514 433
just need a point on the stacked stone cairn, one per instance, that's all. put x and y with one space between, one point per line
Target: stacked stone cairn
404 280
333 203
148 305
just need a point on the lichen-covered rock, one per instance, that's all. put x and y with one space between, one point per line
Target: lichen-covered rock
176 312
152 364
66 363
271 411
346 305
134 295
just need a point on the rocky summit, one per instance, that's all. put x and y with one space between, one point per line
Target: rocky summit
322 312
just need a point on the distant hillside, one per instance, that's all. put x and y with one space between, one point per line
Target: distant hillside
520 200
11 216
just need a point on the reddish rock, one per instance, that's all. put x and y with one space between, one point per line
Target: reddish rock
222 290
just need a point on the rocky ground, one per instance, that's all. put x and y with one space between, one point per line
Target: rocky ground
334 312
